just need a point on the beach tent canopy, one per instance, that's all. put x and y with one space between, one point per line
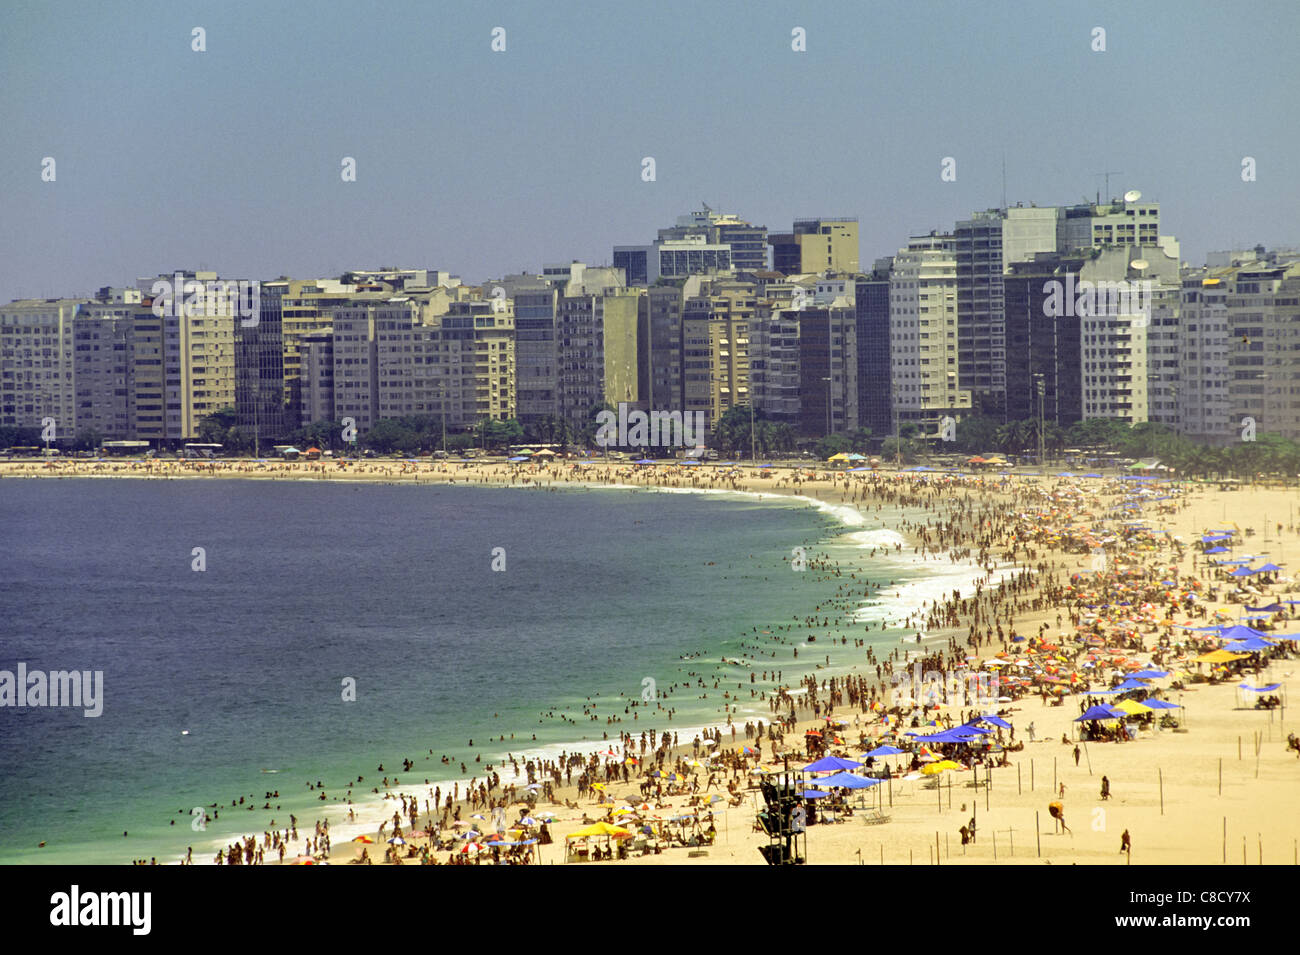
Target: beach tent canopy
1149 675
1261 689
1155 704
880 751
1219 656
1098 712
995 720
1132 706
1267 569
814 794
829 764
1238 632
842 456
847 781
1252 645
601 829
1242 572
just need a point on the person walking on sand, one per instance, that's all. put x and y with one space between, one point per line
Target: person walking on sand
1031 732
1105 788
1125 843
1076 755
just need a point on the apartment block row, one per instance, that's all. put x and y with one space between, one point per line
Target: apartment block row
1073 312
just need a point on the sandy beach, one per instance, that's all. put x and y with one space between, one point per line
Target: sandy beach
1215 788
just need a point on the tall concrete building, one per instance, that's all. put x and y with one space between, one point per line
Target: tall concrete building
1080 321
693 254
1118 223
260 404
356 369
816 245
36 363
828 369
103 335
923 379
716 328
536 360
596 345
985 247
774 361
476 377
748 243
316 377
306 308
1039 345
871 307
1242 331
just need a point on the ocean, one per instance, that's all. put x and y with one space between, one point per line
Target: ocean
335 627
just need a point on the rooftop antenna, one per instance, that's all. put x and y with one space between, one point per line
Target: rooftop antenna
1107 175
1004 179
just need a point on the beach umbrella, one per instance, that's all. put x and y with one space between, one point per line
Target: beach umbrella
880 751
934 769
830 763
1131 707
1153 703
397 841
1098 712
846 781
1219 656
1253 644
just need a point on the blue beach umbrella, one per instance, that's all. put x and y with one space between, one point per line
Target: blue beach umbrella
830 763
880 751
847 781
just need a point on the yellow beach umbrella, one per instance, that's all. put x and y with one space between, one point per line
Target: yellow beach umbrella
1219 656
936 768
1131 707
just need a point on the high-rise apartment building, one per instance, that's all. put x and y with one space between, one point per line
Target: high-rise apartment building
871 307
815 246
36 363
923 380
985 247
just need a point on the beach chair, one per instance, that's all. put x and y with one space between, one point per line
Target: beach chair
874 817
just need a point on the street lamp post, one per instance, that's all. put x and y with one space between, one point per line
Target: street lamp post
830 428
1041 385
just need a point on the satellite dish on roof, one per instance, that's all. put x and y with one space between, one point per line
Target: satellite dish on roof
1139 264
1132 196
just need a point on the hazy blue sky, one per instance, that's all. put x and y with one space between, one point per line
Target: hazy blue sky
485 163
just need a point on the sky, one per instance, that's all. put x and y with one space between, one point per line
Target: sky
484 163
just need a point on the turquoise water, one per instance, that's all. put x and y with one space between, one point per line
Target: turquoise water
308 584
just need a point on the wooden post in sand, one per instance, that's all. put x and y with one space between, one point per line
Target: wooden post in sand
1089 758
1238 749
995 845
1019 789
